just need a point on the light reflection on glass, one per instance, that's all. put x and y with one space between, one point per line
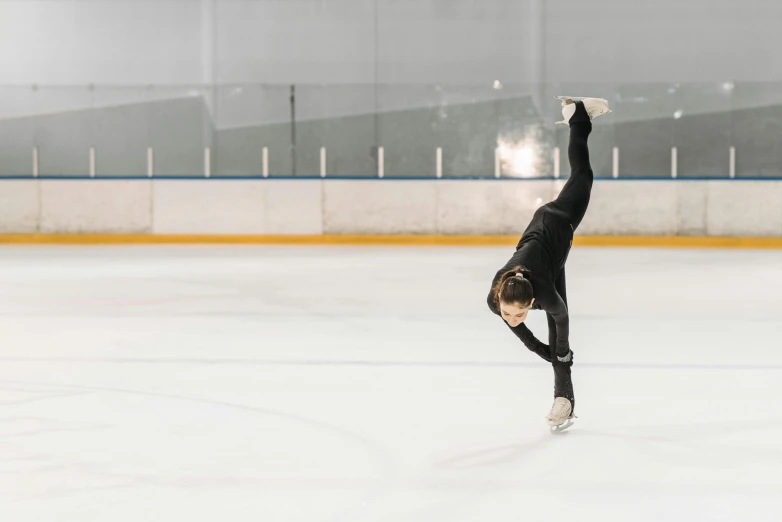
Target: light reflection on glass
520 158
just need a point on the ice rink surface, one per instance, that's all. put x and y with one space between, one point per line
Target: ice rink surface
373 385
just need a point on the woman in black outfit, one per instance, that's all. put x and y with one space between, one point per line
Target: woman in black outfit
534 277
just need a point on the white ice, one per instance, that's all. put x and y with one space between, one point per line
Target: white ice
372 384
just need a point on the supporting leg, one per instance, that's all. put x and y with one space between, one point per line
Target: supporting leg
563 382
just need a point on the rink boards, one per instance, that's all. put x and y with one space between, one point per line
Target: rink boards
313 211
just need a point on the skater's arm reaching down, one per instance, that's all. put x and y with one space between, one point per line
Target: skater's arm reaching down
523 333
531 342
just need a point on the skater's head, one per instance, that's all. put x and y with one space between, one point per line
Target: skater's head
513 295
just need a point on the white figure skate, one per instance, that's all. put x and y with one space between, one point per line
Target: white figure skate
594 106
561 415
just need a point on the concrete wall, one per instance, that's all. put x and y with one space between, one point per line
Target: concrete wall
665 40
313 207
78 42
380 41
387 41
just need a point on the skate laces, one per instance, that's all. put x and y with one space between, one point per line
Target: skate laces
559 409
594 111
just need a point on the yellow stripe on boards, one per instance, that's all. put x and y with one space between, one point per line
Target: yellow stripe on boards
380 240
205 239
679 242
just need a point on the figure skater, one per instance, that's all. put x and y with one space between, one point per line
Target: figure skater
534 277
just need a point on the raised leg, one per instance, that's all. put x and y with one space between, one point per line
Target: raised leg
573 200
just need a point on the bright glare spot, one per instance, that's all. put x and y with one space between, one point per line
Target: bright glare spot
518 159
522 159
728 86
538 202
497 84
678 114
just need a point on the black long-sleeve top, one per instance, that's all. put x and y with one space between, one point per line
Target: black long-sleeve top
543 250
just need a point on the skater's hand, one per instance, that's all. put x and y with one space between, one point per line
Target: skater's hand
542 350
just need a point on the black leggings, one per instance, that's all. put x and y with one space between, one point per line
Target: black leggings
572 201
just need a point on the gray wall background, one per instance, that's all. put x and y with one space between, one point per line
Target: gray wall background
410 75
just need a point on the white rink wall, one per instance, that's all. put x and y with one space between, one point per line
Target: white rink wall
437 207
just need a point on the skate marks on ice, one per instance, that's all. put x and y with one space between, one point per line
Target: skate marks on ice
714 444
485 455
710 444
34 472
387 363
20 394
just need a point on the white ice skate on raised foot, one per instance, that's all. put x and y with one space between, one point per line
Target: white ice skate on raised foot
594 106
561 416
579 98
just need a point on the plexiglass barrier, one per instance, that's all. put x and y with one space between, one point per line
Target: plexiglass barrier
705 130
